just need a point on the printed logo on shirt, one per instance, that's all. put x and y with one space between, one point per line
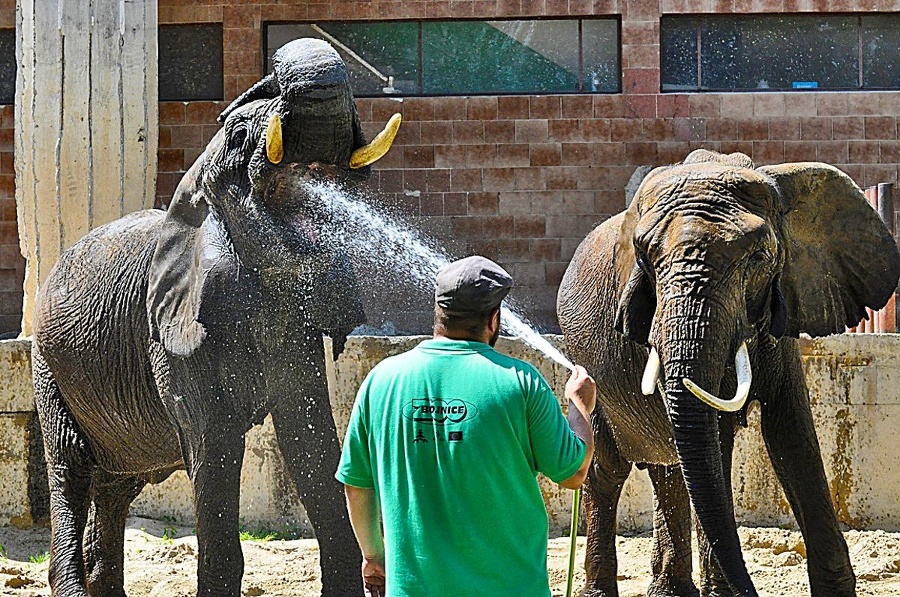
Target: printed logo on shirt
455 436
439 412
420 437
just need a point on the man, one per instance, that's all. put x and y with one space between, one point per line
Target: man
443 448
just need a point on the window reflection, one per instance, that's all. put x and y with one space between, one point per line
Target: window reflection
468 57
7 66
778 52
190 62
881 51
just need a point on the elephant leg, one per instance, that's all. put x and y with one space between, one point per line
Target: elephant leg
70 467
309 443
104 537
671 535
790 437
213 458
712 580
602 489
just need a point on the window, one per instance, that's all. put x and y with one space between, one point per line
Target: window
468 57
881 51
779 52
190 62
7 66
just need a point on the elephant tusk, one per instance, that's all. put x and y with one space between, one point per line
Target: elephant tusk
274 142
651 373
379 146
744 378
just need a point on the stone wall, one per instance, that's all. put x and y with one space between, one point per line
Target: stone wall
854 389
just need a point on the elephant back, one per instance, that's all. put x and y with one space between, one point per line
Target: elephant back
91 330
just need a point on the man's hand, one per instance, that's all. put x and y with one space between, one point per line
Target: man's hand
366 521
581 390
373 576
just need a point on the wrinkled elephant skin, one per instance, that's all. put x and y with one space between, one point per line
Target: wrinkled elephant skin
716 268
162 337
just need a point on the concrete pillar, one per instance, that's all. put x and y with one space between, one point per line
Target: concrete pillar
86 123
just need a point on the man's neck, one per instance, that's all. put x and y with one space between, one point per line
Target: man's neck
450 335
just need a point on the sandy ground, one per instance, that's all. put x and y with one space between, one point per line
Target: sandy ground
161 562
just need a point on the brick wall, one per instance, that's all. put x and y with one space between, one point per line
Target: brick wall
521 179
12 266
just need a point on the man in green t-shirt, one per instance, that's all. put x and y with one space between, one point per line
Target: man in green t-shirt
443 449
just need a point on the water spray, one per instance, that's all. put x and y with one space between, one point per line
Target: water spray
417 256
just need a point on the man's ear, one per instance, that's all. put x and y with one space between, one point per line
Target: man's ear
494 323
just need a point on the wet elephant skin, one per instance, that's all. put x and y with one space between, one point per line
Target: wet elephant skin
162 337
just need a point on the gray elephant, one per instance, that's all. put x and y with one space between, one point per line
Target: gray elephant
161 338
703 285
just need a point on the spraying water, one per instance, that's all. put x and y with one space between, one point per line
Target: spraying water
417 256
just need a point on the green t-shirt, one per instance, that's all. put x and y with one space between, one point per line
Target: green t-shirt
451 436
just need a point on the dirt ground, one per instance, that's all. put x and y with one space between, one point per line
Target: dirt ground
161 562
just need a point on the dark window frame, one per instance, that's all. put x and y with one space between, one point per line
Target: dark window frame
420 70
700 18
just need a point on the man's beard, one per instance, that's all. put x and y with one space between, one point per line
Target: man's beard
494 337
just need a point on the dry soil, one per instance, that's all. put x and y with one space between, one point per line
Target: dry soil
161 562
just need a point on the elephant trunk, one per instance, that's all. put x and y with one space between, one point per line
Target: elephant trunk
689 349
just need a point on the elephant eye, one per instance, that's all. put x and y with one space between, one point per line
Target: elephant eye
759 257
238 137
642 259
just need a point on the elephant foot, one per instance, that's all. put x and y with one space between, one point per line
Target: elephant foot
109 593
598 593
847 588
718 592
663 588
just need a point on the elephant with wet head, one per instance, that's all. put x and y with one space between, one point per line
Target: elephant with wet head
687 307
162 337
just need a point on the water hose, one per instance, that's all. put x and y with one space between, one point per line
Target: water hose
573 536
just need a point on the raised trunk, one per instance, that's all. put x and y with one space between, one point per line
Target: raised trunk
689 348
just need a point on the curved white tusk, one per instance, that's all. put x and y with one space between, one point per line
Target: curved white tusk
744 378
651 373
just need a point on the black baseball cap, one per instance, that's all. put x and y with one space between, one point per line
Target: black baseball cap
472 285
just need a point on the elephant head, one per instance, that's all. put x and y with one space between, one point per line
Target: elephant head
242 225
717 260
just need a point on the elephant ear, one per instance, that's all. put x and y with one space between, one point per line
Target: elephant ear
637 297
839 256
194 278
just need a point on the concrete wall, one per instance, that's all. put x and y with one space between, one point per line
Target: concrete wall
854 389
23 478
86 124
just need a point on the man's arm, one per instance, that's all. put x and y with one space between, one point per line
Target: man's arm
581 393
366 521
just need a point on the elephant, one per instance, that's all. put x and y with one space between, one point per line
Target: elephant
700 289
161 338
